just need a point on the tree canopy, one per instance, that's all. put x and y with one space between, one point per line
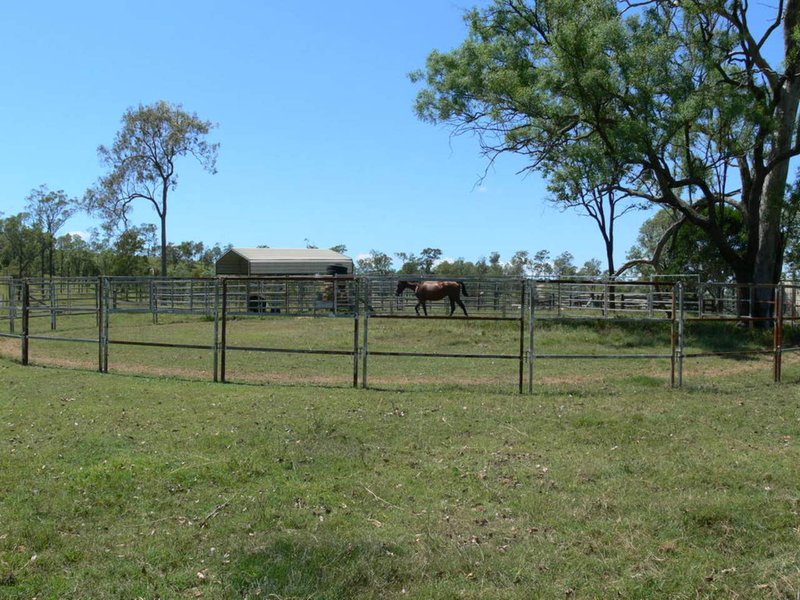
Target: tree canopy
49 211
670 245
682 97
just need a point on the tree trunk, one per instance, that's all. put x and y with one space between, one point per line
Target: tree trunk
164 247
610 258
51 258
769 257
768 262
164 229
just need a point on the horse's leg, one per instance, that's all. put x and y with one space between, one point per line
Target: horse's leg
424 307
461 304
416 308
452 306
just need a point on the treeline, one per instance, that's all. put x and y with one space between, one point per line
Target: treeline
28 249
30 246
521 264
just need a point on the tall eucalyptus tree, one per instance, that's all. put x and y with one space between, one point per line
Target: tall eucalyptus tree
142 162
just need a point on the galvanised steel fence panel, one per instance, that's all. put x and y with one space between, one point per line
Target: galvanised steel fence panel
333 296
484 299
29 307
577 299
485 296
275 297
9 301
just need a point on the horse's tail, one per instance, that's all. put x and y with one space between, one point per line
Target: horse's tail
463 288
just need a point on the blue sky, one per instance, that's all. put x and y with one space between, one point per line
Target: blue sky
318 137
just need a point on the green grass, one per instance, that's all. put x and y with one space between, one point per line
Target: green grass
601 484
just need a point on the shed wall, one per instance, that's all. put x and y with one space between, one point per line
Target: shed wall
232 263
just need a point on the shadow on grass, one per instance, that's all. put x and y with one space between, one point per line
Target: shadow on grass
293 568
707 336
728 336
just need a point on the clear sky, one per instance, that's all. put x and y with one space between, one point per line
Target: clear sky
314 108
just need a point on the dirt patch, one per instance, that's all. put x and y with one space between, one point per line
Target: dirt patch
10 348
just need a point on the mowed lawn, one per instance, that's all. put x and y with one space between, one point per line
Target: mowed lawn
120 486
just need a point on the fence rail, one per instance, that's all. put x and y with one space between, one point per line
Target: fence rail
362 299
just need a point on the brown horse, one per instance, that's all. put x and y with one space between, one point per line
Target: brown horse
435 290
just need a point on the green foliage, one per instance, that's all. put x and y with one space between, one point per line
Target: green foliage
49 212
28 250
19 245
519 265
649 100
687 250
377 262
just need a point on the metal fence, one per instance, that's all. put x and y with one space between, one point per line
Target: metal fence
524 303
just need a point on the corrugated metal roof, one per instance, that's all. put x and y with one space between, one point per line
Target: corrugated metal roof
289 254
283 261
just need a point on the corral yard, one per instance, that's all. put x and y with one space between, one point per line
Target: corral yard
441 482
346 331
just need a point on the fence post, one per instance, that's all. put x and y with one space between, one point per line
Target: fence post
681 333
700 296
558 298
53 305
521 334
106 321
25 320
778 333
673 338
215 345
531 320
224 333
365 344
356 293
12 306
103 309
154 300
99 293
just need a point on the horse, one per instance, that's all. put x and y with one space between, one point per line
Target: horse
435 290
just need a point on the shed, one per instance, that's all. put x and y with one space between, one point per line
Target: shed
283 261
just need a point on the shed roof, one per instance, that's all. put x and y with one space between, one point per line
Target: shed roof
283 261
288 254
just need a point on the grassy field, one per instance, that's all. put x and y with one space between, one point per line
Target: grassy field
440 483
